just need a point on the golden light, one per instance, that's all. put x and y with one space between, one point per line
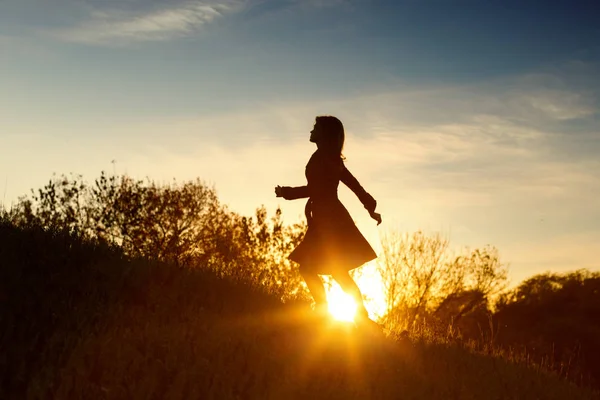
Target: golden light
341 305
372 288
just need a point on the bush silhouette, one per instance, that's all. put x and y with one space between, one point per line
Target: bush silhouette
72 253
178 223
555 317
84 321
424 282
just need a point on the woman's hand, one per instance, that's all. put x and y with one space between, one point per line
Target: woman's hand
376 216
278 191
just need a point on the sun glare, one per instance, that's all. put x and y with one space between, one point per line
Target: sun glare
341 305
372 288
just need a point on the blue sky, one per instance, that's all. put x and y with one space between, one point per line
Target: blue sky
477 118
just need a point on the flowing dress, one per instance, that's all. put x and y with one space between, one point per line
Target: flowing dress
332 242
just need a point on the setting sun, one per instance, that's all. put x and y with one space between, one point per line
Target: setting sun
341 305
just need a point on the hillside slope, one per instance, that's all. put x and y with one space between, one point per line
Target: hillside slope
79 321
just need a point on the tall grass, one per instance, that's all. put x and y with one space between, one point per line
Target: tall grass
81 321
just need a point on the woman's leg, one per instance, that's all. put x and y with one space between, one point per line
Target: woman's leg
315 285
350 287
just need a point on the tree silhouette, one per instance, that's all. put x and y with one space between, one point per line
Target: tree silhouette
177 223
423 281
555 318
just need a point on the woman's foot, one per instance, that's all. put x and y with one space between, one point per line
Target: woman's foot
362 319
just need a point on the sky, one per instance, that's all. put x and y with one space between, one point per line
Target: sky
477 119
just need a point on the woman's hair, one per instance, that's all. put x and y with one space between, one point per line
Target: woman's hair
333 138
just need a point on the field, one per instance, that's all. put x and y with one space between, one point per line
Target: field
81 321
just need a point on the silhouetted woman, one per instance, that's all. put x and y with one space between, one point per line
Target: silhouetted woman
332 245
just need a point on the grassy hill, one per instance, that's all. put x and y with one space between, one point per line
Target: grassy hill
80 321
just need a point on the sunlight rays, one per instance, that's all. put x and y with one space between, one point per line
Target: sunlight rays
342 306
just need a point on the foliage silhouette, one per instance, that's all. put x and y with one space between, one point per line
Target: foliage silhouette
67 245
555 317
423 281
181 224
101 325
52 284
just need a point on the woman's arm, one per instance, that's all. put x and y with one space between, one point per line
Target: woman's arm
292 193
365 198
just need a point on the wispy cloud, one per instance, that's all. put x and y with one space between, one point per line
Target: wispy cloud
512 162
325 3
119 27
20 46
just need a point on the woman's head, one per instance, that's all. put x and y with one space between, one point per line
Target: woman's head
328 134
